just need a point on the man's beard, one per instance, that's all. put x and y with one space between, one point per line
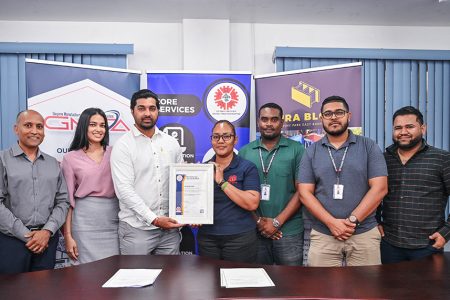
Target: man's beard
147 127
412 143
338 132
270 137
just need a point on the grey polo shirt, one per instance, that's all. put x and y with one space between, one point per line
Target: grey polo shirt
31 193
364 160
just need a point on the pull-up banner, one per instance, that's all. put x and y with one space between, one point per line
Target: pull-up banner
190 105
300 93
192 102
61 91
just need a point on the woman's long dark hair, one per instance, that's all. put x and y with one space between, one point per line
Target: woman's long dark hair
80 140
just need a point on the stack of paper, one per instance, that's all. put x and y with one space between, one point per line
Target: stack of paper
132 278
244 277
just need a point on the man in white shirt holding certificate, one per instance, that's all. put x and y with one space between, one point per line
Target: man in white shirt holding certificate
140 169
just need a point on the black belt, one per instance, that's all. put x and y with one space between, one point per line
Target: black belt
35 227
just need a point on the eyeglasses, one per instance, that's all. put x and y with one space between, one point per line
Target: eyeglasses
338 114
225 137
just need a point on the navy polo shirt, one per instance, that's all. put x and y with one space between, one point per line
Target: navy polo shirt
229 218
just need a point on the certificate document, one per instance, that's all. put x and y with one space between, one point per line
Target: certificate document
191 193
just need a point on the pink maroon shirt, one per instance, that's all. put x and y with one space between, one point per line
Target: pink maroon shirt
85 177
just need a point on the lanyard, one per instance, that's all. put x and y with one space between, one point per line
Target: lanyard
338 171
266 171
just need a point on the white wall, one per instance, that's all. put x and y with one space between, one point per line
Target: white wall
159 46
267 36
206 44
156 46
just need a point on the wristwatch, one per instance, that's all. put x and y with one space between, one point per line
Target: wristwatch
353 219
276 223
221 182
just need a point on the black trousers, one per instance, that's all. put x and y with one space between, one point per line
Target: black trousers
240 247
392 254
16 258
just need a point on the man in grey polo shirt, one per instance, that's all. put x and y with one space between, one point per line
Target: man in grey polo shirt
33 200
342 179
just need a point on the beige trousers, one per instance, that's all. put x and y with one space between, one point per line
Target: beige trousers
359 250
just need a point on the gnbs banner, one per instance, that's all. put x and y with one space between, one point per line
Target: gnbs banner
300 94
61 91
192 102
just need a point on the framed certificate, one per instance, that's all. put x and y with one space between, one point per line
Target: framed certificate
191 193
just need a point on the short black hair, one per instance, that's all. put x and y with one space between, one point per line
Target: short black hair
409 110
226 122
271 105
145 93
335 98
80 139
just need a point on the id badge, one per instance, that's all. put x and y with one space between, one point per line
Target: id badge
338 192
265 192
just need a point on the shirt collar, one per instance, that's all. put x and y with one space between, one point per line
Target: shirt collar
136 131
281 143
234 162
17 151
393 148
351 139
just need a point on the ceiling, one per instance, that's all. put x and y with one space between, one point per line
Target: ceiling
339 12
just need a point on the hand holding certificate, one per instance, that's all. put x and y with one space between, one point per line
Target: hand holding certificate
191 193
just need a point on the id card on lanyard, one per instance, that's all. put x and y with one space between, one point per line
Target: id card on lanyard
338 189
265 187
265 192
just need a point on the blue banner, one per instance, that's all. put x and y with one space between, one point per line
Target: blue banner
192 102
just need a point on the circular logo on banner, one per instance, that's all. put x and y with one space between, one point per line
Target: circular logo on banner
184 137
179 177
226 99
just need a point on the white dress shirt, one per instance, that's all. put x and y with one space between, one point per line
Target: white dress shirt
140 172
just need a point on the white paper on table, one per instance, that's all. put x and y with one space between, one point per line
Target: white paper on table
222 279
132 278
245 277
